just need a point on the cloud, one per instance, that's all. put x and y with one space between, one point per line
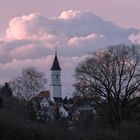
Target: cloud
70 14
87 41
31 40
135 38
23 49
32 26
76 40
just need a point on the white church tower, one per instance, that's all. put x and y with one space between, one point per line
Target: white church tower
56 87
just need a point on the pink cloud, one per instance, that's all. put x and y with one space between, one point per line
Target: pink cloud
135 38
31 40
75 41
32 26
70 14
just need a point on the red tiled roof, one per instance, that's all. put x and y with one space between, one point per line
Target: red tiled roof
44 94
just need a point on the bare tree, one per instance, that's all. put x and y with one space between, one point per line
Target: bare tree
112 76
29 83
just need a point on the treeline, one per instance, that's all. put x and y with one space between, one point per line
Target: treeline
14 126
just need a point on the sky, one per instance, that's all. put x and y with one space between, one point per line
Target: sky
30 30
124 13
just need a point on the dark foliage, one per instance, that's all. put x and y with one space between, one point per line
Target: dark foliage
6 90
65 101
112 77
14 125
1 102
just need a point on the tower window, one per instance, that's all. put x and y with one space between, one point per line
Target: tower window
57 76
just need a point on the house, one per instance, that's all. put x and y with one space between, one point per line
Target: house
82 107
63 112
46 109
43 106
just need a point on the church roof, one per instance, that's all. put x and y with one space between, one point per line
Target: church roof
55 65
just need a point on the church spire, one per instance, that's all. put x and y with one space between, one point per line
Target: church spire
56 88
55 65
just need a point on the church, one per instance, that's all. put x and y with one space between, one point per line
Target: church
56 87
49 103
55 91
